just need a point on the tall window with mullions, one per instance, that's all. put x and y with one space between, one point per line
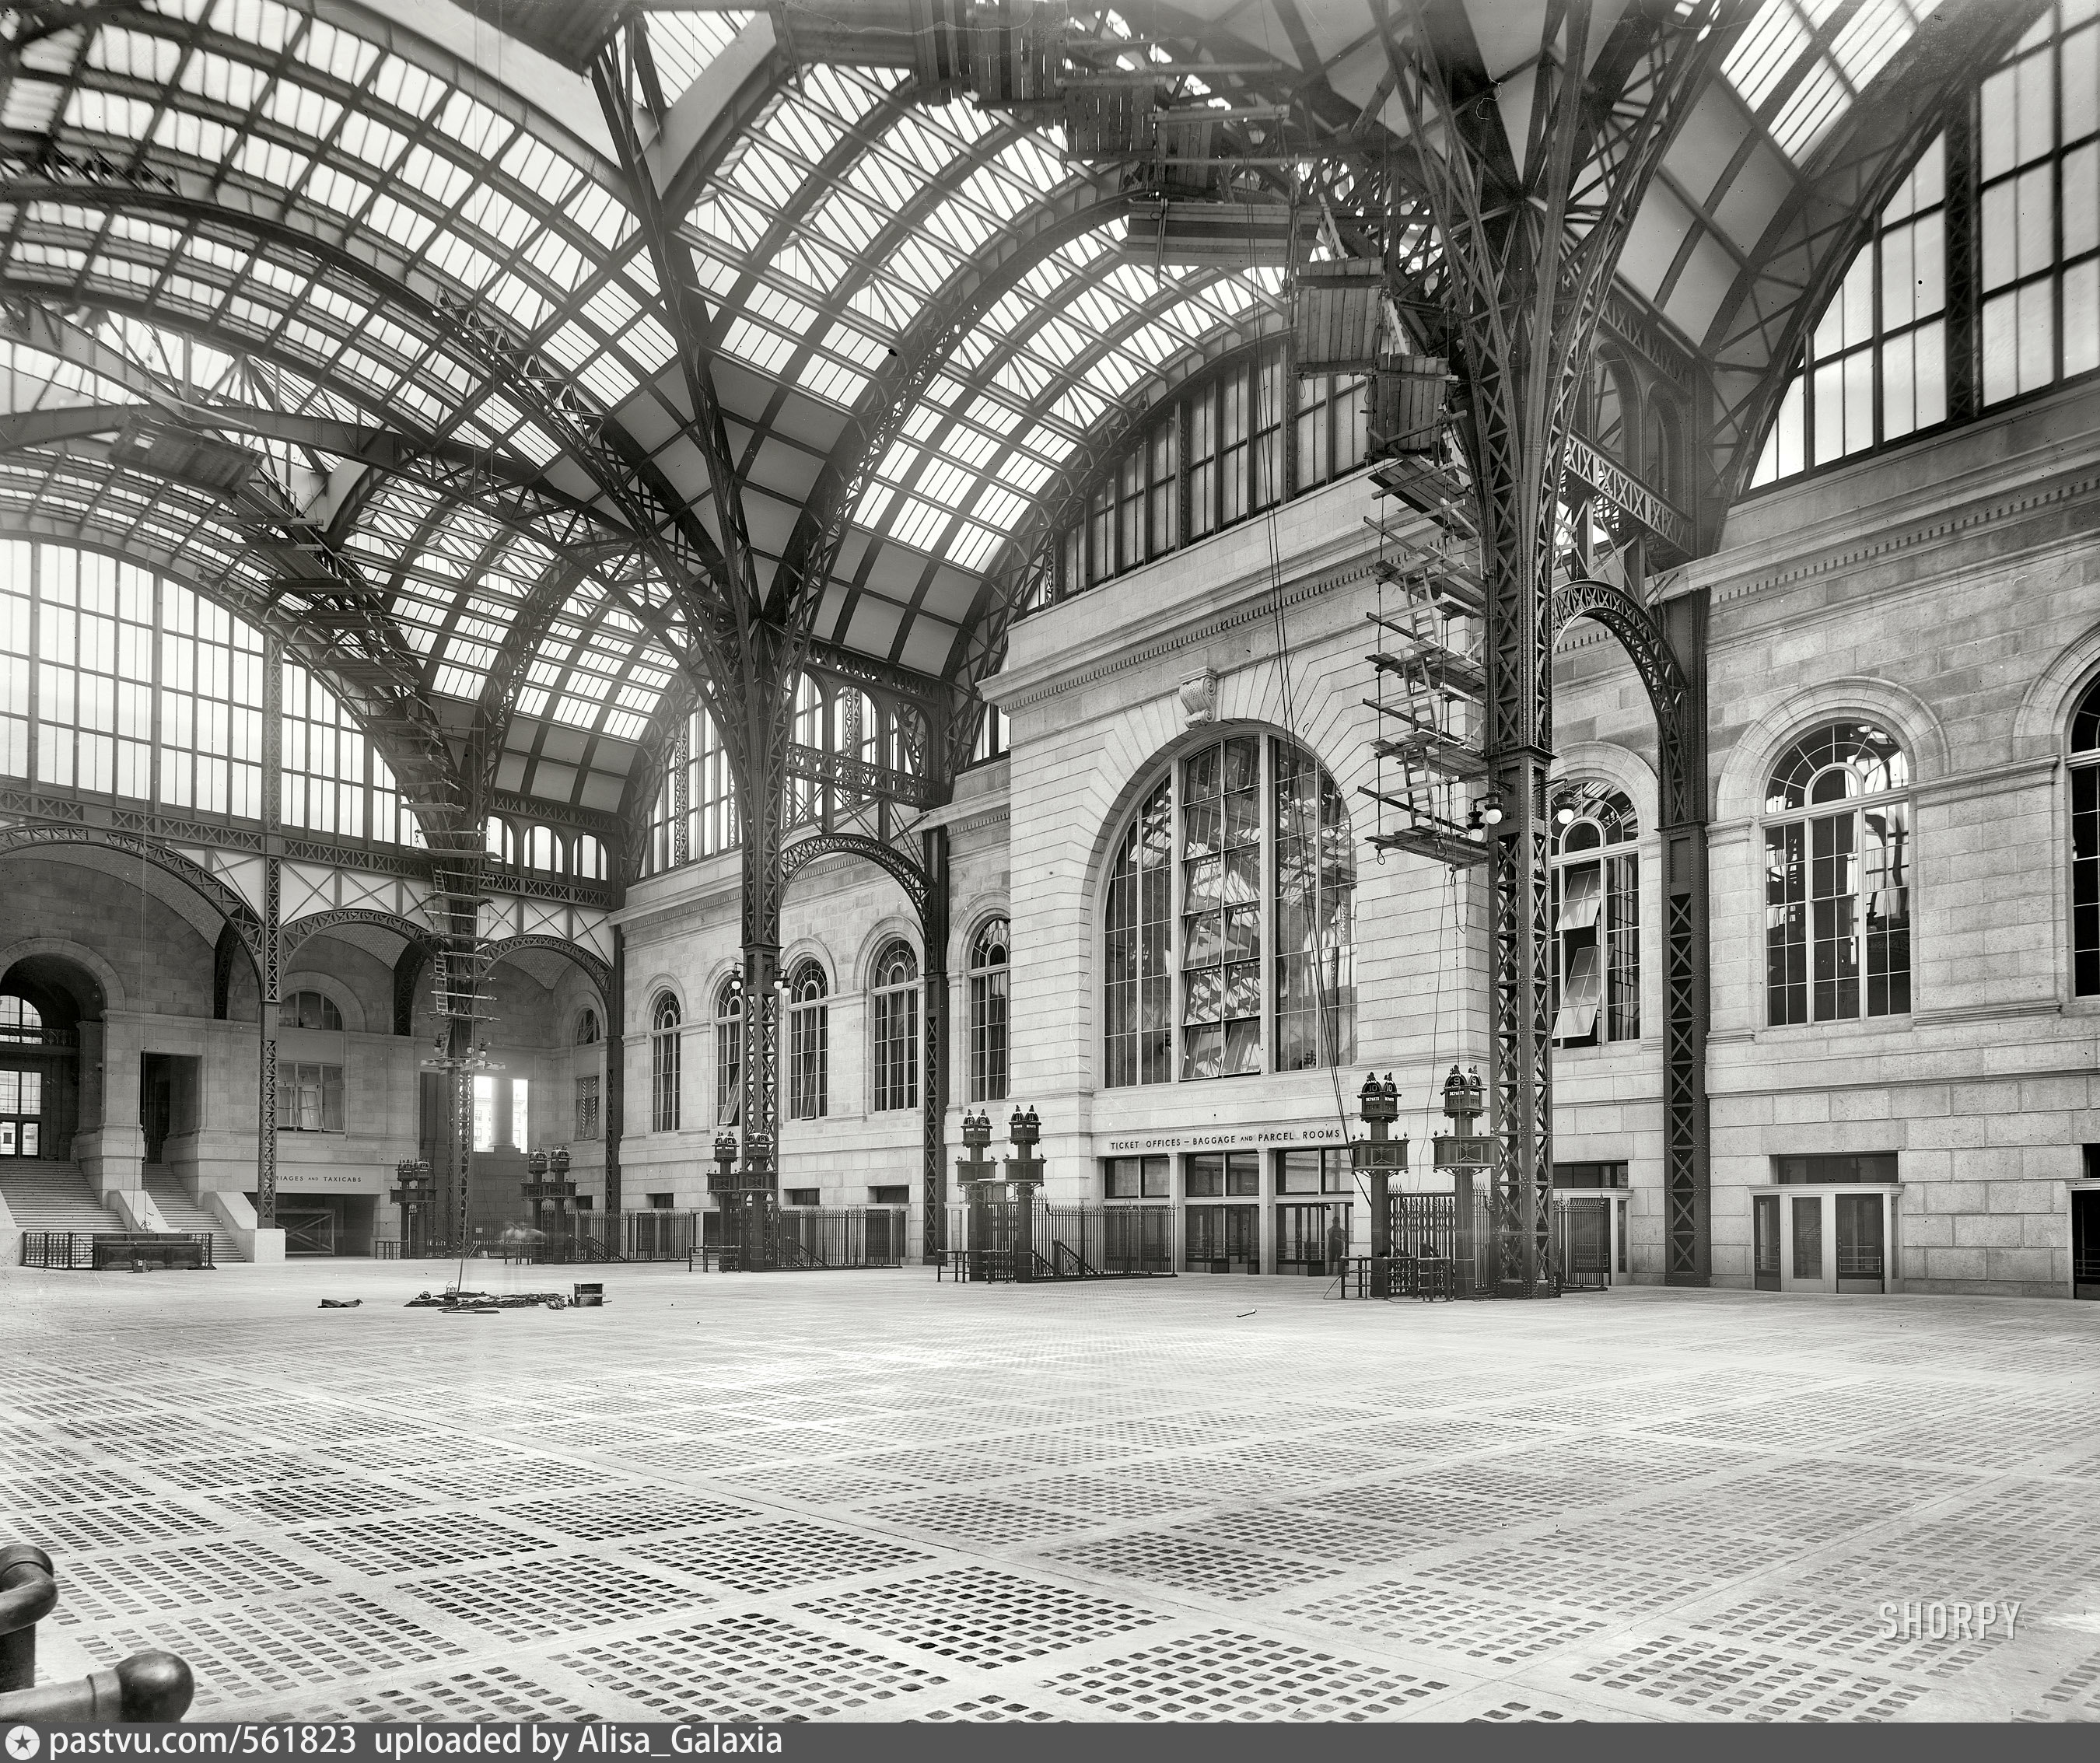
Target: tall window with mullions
1221 910
1140 989
2038 166
988 1008
894 1016
808 1043
1837 877
1876 362
1316 889
2085 845
1596 916
664 1061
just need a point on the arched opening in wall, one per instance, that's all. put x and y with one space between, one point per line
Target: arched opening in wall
1232 886
44 999
728 1050
808 1042
1612 404
590 858
499 841
894 992
1661 449
543 852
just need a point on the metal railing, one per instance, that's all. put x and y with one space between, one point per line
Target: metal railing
806 1237
104 1250
1065 1242
146 1687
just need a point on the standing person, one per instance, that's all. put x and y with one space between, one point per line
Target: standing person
1338 1242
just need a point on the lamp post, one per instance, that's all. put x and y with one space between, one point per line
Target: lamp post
1377 1157
1024 1175
418 1189
724 1185
1464 1152
975 1173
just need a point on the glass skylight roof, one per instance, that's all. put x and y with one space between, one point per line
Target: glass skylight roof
1800 75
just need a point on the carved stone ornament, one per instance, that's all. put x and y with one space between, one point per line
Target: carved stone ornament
1199 697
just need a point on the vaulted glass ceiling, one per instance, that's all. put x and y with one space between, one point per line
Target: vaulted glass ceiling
266 220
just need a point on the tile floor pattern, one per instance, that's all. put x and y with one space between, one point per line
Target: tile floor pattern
865 1495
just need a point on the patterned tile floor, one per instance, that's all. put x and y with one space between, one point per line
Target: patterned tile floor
869 1497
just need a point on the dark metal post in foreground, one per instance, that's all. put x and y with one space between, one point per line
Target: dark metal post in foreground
1378 1158
1024 1175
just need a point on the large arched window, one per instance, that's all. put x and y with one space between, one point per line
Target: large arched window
664 1019
544 851
1230 901
808 1042
1596 916
988 1000
587 1029
1837 877
728 1050
499 840
20 1019
590 858
2085 845
895 1018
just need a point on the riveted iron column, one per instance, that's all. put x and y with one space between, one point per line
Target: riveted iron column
616 1073
933 1089
1529 232
266 1089
1688 1143
273 894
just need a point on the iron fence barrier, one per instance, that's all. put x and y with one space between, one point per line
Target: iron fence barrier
1061 1241
794 1238
104 1250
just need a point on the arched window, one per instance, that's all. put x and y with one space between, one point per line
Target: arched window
498 841
2085 845
1660 447
1596 915
1837 877
544 851
988 1011
907 742
309 1010
587 1029
895 1022
20 1019
1236 873
590 858
664 1019
808 1042
728 1050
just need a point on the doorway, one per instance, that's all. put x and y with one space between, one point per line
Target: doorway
1764 1214
168 1087
1224 1240
1303 1233
2085 1242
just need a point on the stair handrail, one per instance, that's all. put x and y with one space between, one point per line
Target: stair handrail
147 1686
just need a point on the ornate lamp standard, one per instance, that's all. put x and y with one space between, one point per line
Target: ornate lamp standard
415 1195
1378 1158
742 1197
975 1173
1024 1175
1465 1153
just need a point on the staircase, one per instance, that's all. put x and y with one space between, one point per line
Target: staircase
53 1196
187 1215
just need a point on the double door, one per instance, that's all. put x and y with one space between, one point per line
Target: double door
1312 1237
1823 1239
1223 1238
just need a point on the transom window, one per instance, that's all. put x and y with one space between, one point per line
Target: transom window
1229 920
808 1042
1596 913
989 1005
896 1020
309 1010
1837 877
2085 845
664 1017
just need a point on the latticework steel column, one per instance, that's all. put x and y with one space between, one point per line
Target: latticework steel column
615 1104
933 1089
266 1089
1529 233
